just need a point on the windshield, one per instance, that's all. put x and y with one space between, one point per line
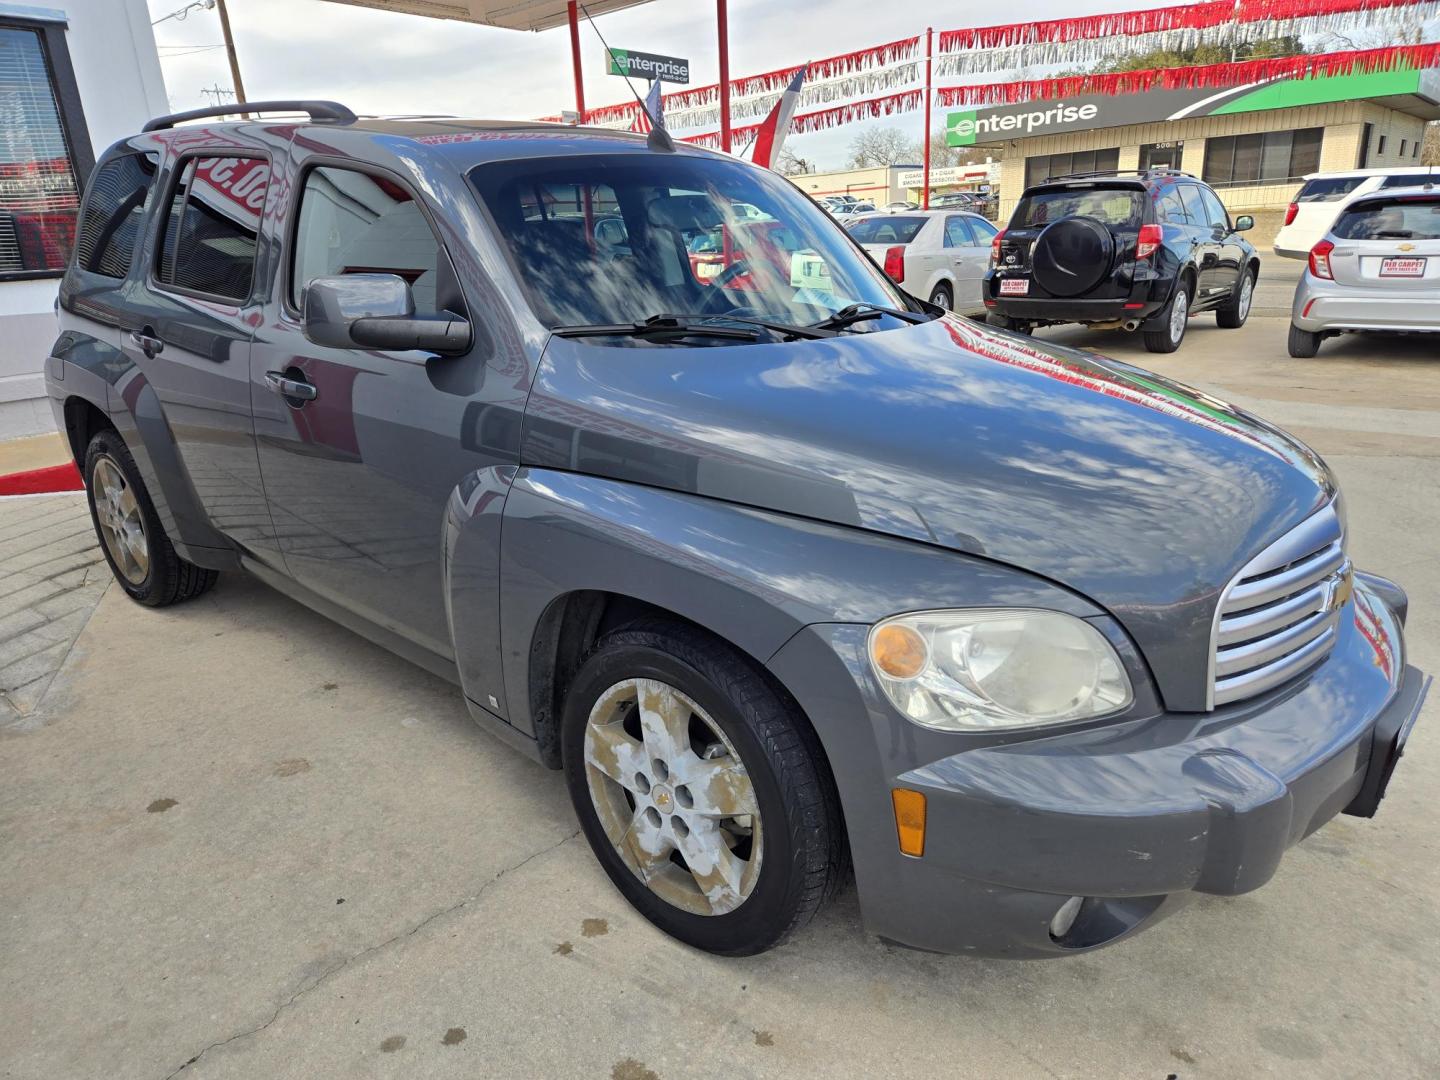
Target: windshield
616 239
1116 207
1391 219
890 229
1328 188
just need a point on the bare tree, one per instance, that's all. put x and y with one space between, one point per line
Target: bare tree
882 146
790 164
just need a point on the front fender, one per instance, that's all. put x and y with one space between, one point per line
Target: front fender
752 577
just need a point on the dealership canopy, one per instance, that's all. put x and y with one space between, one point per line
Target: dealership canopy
509 14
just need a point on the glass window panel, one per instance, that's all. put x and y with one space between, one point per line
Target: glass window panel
210 236
110 229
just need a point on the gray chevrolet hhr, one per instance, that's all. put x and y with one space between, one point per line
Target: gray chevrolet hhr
788 571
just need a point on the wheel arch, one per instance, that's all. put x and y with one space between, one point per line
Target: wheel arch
83 418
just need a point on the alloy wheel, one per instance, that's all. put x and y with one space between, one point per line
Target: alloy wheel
673 796
1247 294
121 525
1179 313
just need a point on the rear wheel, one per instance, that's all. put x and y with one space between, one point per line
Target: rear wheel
703 795
1233 313
140 555
943 297
1303 344
1174 320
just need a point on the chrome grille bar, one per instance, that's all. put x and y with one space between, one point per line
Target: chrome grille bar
1280 614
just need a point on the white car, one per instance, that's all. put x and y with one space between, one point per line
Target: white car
1319 200
938 254
1377 268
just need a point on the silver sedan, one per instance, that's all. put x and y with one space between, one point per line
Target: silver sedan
1378 268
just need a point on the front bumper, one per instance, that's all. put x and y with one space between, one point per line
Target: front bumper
1136 817
1324 305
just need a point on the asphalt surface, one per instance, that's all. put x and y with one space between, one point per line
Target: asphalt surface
238 841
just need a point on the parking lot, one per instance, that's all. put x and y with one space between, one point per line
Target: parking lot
239 841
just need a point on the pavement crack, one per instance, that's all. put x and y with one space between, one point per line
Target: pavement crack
370 950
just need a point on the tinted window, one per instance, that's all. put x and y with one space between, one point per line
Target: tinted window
1391 219
1116 207
355 223
1171 206
984 231
119 193
889 229
795 265
1262 158
1410 180
1215 213
1194 205
210 230
1328 188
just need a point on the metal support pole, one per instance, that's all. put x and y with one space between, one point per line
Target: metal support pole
929 65
722 18
575 59
230 52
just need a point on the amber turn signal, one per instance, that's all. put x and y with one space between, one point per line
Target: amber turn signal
898 651
909 820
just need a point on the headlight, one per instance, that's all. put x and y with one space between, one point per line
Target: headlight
993 668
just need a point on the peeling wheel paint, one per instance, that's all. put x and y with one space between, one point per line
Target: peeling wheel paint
630 1069
159 806
453 1037
594 928
393 1043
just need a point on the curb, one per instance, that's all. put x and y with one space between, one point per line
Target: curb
53 478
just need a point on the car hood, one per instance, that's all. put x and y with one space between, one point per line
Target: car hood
1142 494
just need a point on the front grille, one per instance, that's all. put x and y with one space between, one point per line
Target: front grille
1280 613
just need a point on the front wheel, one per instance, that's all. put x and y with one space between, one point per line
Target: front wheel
1175 319
1303 344
1232 314
140 555
703 795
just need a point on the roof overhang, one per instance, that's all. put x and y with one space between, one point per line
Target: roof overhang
509 14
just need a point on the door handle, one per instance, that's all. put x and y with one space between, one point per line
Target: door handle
278 383
146 343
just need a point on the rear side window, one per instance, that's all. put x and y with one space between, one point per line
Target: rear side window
890 229
110 226
1328 188
211 226
1120 208
1410 180
1391 219
1171 206
355 223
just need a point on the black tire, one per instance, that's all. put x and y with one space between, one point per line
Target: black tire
1303 344
1232 314
1172 332
803 848
943 297
1015 326
168 579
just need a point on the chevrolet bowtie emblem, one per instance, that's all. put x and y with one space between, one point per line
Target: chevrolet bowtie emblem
1337 588
1407 247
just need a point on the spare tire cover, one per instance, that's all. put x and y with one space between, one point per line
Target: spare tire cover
1072 255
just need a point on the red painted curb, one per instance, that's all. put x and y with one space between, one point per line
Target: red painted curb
41 481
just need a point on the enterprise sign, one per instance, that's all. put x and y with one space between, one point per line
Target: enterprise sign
640 65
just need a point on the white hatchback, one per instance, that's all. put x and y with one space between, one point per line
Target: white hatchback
1320 198
941 255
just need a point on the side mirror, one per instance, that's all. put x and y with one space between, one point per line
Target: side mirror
376 311
1244 222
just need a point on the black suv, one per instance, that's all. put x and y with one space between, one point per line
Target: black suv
1122 251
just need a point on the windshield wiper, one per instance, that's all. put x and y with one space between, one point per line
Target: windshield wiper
663 326
854 313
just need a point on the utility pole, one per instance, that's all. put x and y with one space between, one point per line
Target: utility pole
230 52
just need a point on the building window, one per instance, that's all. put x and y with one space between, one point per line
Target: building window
1404 145
1043 167
41 169
1161 155
1381 148
1269 158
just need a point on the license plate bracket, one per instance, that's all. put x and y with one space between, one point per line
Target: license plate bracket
1402 267
1012 286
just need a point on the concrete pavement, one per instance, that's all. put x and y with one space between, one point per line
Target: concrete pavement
238 841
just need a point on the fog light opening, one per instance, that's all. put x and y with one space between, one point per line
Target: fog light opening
1065 916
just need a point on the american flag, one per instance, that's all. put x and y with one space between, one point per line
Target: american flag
652 115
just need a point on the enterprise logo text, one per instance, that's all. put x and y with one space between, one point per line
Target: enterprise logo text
1026 122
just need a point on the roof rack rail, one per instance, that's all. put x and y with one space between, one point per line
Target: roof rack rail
1158 171
332 111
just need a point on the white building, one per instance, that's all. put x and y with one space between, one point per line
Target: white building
75 76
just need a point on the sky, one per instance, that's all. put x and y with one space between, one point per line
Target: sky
381 62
